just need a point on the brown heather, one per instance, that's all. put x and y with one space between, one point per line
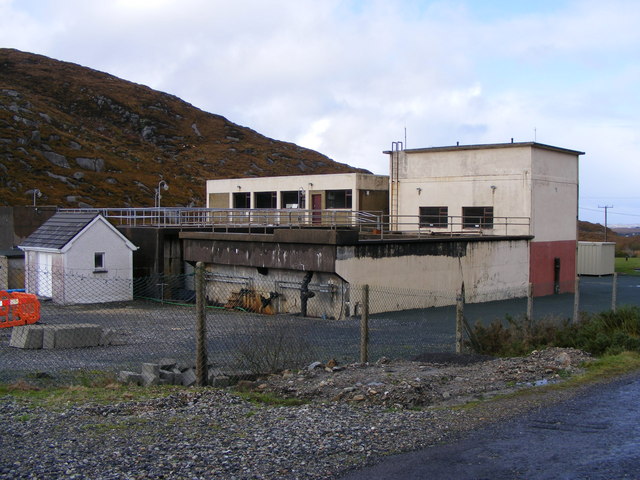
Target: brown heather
87 138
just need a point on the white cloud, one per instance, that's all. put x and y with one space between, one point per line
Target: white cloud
346 77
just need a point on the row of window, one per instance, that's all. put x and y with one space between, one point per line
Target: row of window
293 199
472 217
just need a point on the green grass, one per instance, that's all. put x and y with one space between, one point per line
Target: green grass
600 370
55 397
629 266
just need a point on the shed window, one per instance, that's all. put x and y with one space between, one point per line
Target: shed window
339 198
98 261
477 217
434 217
266 199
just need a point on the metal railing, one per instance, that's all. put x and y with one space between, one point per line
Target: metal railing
452 226
235 217
373 225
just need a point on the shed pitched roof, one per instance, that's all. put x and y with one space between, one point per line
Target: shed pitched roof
59 230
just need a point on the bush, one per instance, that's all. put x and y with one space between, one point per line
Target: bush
604 333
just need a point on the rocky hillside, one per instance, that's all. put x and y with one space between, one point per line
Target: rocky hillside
86 138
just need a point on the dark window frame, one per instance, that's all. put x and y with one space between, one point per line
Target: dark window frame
269 198
99 262
339 199
477 217
434 217
246 196
286 197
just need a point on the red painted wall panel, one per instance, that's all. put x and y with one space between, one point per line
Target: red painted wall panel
542 270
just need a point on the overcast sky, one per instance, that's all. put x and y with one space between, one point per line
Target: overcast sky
348 77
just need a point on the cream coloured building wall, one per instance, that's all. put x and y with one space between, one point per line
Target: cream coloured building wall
526 182
554 190
491 270
307 185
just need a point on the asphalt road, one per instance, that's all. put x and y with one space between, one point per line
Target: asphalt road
594 436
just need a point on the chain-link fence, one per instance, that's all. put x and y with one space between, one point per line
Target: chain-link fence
251 325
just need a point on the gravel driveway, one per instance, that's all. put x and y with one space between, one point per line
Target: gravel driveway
211 433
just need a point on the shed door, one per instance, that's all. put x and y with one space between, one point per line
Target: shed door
44 274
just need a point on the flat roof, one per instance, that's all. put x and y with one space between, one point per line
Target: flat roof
489 146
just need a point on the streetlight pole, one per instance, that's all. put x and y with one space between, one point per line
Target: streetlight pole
36 194
162 185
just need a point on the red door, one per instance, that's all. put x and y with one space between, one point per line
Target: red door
316 206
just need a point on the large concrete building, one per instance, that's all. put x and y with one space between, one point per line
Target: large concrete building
505 189
497 217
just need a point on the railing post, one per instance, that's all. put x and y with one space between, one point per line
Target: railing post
364 326
201 327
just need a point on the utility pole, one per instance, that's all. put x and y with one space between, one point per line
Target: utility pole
606 208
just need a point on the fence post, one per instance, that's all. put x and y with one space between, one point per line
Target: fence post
576 301
364 326
614 292
201 328
530 306
459 318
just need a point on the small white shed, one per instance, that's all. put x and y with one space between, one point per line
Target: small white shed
596 258
79 258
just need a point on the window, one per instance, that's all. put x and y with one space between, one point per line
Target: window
339 199
292 199
266 199
98 261
477 217
241 200
434 217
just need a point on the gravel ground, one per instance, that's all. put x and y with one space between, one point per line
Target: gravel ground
212 433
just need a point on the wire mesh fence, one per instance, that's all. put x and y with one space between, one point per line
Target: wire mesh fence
252 326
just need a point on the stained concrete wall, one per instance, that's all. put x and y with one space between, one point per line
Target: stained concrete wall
491 270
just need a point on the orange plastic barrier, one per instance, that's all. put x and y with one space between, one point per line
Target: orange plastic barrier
17 308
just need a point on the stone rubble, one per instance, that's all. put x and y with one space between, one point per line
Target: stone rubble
354 416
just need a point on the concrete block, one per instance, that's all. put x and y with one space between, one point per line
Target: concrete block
130 377
151 369
169 376
26 336
219 381
107 337
150 379
49 337
85 335
189 377
72 336
167 363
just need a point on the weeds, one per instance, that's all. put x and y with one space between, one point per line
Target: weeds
605 333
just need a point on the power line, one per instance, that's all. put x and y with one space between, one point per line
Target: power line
612 213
